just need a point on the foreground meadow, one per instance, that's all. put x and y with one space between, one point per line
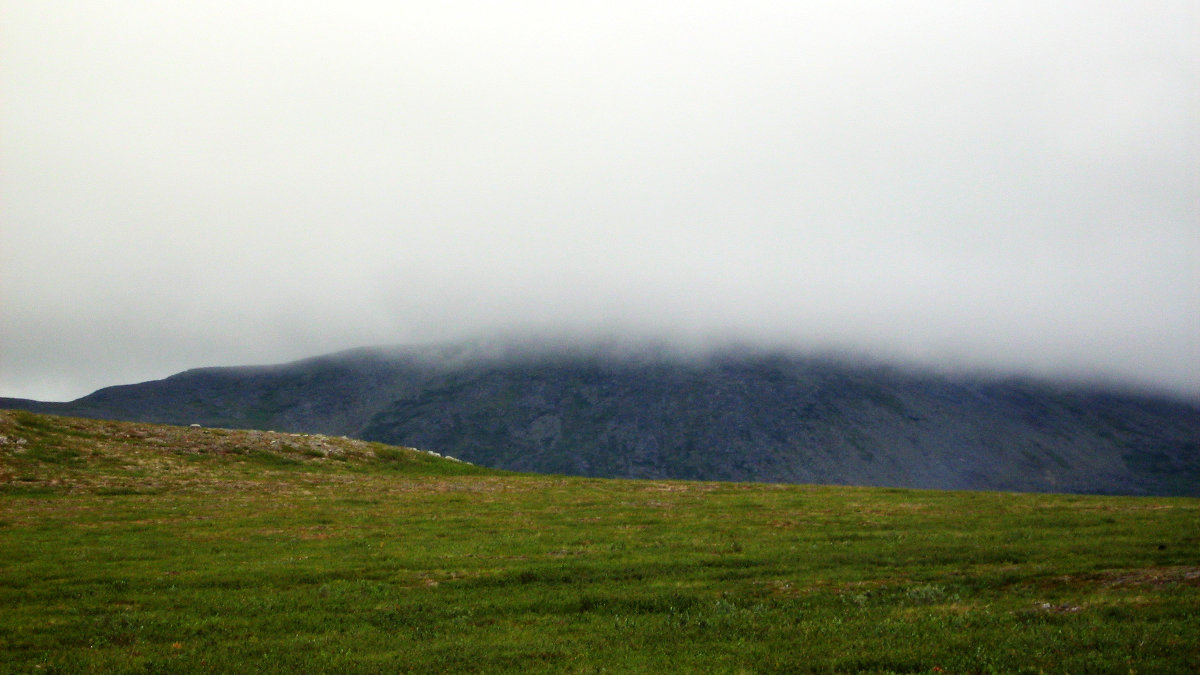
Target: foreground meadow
142 548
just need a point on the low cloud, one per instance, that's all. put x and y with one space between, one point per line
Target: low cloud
1010 187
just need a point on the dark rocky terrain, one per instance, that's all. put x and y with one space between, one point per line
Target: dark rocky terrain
739 415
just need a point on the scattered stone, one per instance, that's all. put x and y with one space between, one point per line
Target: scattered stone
1060 609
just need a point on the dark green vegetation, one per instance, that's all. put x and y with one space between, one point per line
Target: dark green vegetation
140 548
733 416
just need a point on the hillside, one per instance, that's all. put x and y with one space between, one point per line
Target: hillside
737 415
131 548
45 454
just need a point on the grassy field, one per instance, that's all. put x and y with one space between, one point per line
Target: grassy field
143 548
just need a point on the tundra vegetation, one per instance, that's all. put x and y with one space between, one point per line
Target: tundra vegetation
143 548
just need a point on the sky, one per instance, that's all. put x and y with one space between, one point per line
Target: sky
1011 185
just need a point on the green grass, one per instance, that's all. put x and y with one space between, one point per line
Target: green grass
159 549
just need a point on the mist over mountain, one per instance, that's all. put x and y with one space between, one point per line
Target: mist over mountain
735 414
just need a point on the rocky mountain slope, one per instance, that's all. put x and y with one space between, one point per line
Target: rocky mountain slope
738 415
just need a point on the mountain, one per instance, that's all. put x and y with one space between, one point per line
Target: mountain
736 415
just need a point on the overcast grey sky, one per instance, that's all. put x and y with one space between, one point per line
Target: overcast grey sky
1011 185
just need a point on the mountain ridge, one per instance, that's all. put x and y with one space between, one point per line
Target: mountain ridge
736 414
